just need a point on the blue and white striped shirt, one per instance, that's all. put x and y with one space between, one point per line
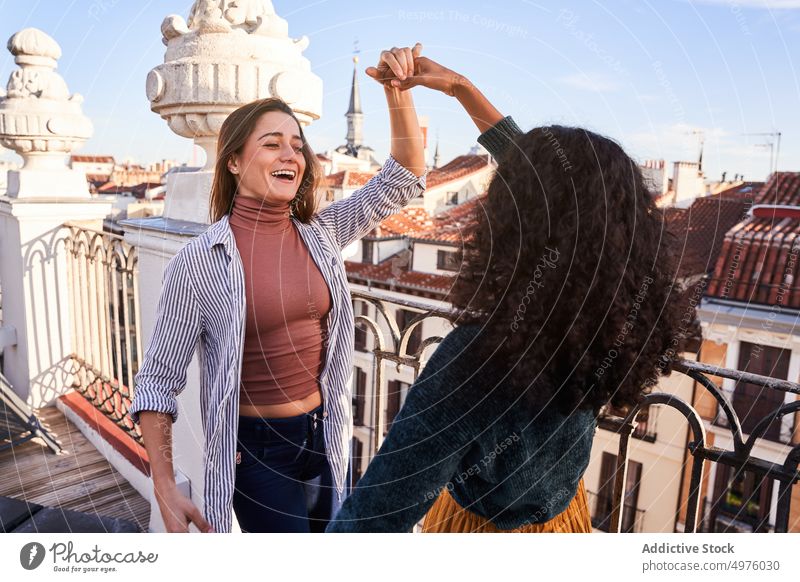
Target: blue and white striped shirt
202 305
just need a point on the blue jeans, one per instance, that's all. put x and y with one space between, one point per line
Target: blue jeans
283 480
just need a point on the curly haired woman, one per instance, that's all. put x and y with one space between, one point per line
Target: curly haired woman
568 304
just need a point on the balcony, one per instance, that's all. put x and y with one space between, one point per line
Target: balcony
105 314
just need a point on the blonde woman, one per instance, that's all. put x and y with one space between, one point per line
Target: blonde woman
264 297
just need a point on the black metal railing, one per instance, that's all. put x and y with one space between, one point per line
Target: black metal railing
390 344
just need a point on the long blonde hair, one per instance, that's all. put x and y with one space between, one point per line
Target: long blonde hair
232 136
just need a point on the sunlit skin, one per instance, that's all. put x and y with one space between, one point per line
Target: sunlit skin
274 144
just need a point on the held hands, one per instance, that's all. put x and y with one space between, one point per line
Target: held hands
403 68
394 64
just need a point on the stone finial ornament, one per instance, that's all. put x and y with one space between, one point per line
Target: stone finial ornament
229 53
39 119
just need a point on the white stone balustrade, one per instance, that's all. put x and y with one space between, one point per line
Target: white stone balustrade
42 123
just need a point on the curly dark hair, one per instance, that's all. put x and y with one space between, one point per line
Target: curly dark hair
571 273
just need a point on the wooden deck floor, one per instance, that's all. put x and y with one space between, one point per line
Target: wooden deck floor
80 479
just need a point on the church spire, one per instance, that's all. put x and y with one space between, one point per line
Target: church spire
436 158
355 95
355 118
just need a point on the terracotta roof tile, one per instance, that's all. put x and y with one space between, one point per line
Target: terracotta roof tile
355 179
335 180
757 264
408 220
348 179
701 228
457 168
394 274
92 159
453 226
782 188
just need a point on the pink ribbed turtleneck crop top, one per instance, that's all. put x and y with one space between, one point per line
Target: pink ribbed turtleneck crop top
287 301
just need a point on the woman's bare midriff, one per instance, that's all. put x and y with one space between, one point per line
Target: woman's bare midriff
283 410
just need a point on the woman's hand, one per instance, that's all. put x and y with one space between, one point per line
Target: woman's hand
395 64
430 74
178 512
407 142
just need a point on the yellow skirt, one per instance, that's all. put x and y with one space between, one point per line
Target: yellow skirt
447 516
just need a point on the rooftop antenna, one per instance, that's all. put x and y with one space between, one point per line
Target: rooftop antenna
776 140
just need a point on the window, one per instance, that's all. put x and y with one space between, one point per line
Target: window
396 391
360 308
366 251
742 501
355 463
448 260
605 494
359 395
452 198
753 403
404 317
329 196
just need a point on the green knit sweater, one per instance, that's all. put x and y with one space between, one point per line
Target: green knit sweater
460 430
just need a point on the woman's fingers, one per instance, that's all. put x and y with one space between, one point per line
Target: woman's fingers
400 55
409 61
198 519
396 67
391 61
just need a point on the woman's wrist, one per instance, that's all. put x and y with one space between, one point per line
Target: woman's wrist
461 87
164 484
398 97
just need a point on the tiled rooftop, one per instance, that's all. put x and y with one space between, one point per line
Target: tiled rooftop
409 219
701 228
348 179
782 188
393 274
756 264
451 227
457 168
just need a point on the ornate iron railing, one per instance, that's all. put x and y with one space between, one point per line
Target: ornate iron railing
104 301
740 458
390 344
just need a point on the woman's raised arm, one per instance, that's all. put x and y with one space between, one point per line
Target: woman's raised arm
496 131
402 177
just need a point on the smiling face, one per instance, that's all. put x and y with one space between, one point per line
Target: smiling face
270 165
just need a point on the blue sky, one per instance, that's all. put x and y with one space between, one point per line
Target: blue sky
647 73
